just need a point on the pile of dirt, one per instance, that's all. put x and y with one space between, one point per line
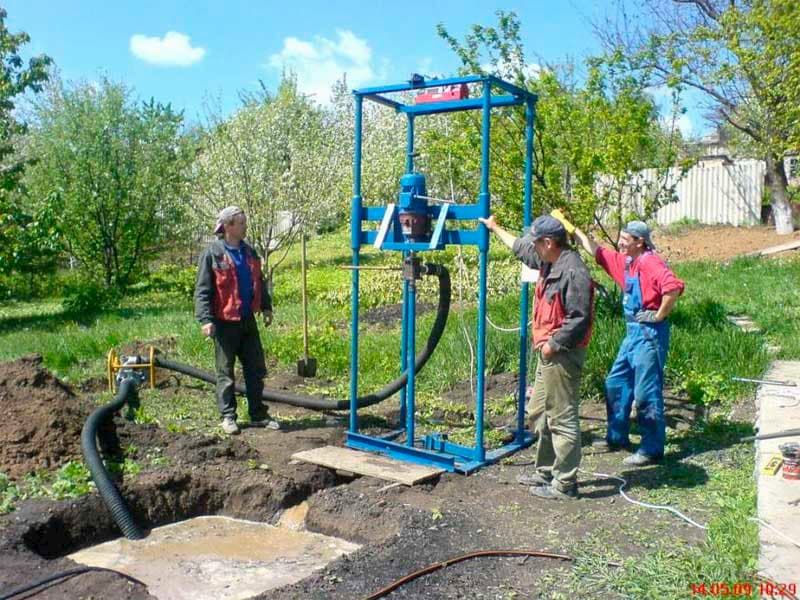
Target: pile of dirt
718 242
42 418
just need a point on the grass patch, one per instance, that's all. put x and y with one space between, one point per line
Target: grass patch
72 480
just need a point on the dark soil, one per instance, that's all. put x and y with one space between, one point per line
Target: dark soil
252 476
719 242
42 418
390 315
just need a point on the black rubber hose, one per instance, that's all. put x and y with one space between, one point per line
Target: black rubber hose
108 491
385 392
63 576
772 436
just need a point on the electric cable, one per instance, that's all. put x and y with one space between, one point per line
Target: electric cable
63 576
505 329
645 504
461 277
461 271
679 513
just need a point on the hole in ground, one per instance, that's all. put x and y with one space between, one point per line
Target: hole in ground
209 533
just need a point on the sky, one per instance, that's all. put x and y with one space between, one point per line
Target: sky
195 54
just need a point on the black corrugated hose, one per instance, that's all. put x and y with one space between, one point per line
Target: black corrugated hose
388 390
108 491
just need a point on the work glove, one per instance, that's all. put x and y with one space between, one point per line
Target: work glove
560 216
267 318
646 316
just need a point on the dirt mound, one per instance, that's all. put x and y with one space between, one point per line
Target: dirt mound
42 418
717 242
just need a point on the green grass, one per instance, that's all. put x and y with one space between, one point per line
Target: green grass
70 481
767 290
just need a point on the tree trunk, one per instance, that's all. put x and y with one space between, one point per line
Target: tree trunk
777 183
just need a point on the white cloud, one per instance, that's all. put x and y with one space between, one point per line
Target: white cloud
320 62
173 50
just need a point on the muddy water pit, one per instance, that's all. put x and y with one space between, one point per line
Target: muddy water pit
217 558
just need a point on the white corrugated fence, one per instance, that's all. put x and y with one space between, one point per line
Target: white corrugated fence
712 192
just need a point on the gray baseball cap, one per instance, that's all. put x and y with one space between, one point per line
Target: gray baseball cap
640 229
225 215
547 226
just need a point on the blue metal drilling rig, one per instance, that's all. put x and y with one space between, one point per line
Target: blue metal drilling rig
413 225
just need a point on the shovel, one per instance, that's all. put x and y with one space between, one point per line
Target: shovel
306 366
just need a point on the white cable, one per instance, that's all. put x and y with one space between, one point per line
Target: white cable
680 514
645 504
775 529
461 275
505 329
792 397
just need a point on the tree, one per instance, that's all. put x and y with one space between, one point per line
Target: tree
28 239
593 133
116 168
383 146
743 56
276 159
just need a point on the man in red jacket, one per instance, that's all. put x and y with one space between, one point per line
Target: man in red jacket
230 290
650 291
562 328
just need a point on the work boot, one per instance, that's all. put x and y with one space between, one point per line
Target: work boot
530 478
229 426
641 460
605 446
262 418
550 492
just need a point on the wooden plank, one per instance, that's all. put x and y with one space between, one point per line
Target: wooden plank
367 463
794 245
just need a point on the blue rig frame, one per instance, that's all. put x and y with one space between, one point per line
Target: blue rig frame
435 450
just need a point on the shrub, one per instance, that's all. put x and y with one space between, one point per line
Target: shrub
173 279
89 297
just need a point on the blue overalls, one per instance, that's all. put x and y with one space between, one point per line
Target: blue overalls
638 374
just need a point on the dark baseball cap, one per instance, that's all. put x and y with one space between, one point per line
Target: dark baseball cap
547 226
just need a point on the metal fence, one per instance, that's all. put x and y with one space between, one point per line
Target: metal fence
714 192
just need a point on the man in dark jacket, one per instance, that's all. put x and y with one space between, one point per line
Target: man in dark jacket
562 327
230 290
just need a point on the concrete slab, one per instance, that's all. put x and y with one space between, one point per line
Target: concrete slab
217 558
367 463
744 323
778 498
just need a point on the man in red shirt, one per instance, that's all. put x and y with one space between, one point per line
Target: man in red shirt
650 291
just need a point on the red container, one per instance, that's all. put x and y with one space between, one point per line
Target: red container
791 460
791 468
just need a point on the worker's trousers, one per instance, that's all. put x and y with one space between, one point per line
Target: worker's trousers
637 375
239 339
554 415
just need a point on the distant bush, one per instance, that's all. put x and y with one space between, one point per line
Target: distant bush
173 278
86 297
